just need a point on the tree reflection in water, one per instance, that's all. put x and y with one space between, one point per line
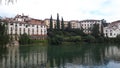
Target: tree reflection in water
92 55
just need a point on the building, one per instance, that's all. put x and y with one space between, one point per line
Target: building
47 22
112 30
21 24
74 23
87 25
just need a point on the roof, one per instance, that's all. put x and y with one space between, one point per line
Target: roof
74 21
89 20
115 22
30 21
114 25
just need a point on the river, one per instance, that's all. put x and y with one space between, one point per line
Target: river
63 56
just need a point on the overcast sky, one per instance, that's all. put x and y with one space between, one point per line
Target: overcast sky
68 9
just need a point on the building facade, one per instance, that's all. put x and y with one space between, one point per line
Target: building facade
87 25
47 22
74 23
112 30
21 24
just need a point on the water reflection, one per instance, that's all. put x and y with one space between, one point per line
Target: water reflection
16 57
77 56
90 56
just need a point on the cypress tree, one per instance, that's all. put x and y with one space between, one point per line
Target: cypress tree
51 23
4 37
62 24
58 22
69 25
95 30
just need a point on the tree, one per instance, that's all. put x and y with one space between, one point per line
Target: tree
69 25
89 39
58 22
4 37
62 24
25 39
95 30
51 23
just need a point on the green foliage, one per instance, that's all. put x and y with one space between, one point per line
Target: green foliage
69 26
58 22
56 40
74 39
4 37
25 39
89 39
95 30
62 24
117 40
57 37
51 23
100 39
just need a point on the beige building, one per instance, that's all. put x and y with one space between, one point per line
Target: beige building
47 22
74 23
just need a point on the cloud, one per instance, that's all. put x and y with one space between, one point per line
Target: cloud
69 9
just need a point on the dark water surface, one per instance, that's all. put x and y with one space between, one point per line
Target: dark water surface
67 56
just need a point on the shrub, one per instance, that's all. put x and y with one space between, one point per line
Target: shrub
89 39
25 39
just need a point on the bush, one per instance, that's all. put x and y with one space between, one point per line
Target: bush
25 39
56 40
89 39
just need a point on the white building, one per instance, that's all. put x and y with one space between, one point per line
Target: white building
112 30
87 25
23 24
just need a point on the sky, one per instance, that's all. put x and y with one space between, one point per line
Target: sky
68 9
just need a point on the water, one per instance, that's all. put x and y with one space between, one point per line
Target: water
67 56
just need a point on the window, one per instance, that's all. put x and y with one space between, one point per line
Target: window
106 34
114 34
41 31
110 30
24 30
20 30
106 30
110 34
28 31
90 24
44 30
37 26
87 25
32 31
11 30
16 25
37 30
20 24
11 23
32 25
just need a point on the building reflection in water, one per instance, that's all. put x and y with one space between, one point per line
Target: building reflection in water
90 56
59 56
13 58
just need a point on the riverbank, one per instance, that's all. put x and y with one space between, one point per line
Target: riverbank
57 37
